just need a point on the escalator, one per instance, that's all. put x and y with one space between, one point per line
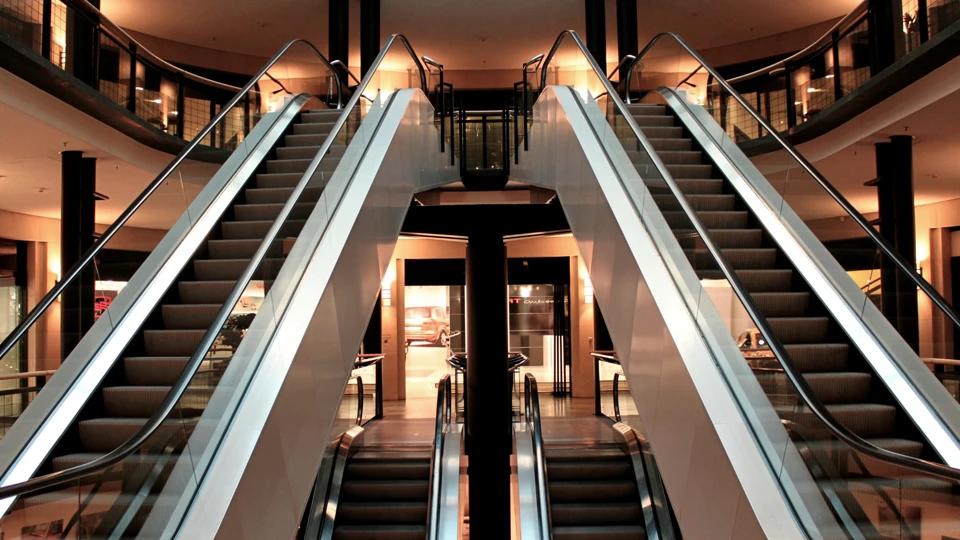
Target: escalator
858 438
134 430
390 479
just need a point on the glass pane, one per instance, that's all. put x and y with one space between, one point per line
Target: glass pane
854 51
941 14
22 20
114 71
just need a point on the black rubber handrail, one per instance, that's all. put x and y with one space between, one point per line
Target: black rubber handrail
436 458
809 51
835 194
169 403
531 411
796 377
17 334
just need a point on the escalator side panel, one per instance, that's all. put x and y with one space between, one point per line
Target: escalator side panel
38 429
909 380
717 470
263 471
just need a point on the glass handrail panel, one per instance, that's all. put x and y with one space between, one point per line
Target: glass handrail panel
801 199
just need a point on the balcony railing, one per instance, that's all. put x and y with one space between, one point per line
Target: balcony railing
75 37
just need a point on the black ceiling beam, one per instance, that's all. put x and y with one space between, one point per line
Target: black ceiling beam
507 219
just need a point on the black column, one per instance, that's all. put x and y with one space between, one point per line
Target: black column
77 212
901 148
886 32
339 31
898 226
601 336
597 31
369 33
488 421
627 39
82 46
372 344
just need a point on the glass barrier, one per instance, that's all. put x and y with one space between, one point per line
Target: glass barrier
171 100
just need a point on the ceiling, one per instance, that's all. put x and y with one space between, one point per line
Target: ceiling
461 34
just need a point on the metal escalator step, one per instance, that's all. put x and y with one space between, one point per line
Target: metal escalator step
704 170
592 490
651 120
605 513
760 280
689 186
245 248
646 108
397 513
259 212
224 269
143 401
287 166
189 316
154 370
812 357
320 116
106 504
710 220
106 434
565 471
724 238
668 157
206 292
709 202
835 448
782 304
133 470
671 145
388 470
380 532
309 152
831 388
613 532
663 132
864 419
313 128
280 195
172 342
385 490
295 141
754 258
247 230
800 329
273 180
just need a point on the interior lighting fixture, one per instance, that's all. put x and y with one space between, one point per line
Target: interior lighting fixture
587 290
157 101
830 76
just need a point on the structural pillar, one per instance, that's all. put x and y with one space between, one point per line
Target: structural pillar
898 226
369 34
82 46
77 229
597 31
601 336
886 30
339 31
489 409
627 38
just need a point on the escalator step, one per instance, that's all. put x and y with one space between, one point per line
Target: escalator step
172 342
605 513
594 490
246 230
313 128
298 141
242 249
154 370
782 304
831 388
385 490
280 195
209 291
292 180
329 116
704 170
617 532
724 238
398 513
224 269
800 329
756 258
133 470
811 357
388 470
710 220
106 434
652 120
380 532
189 316
580 470
668 157
759 280
663 132
646 108
287 166
309 152
143 401
258 212
864 419
835 448
699 202
671 145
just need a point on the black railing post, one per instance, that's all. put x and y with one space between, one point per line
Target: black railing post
597 405
47 30
453 146
505 139
443 112
791 98
378 388
132 91
923 20
526 111
483 130
181 98
516 124
837 85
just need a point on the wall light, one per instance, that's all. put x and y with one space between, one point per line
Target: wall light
587 290
386 295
